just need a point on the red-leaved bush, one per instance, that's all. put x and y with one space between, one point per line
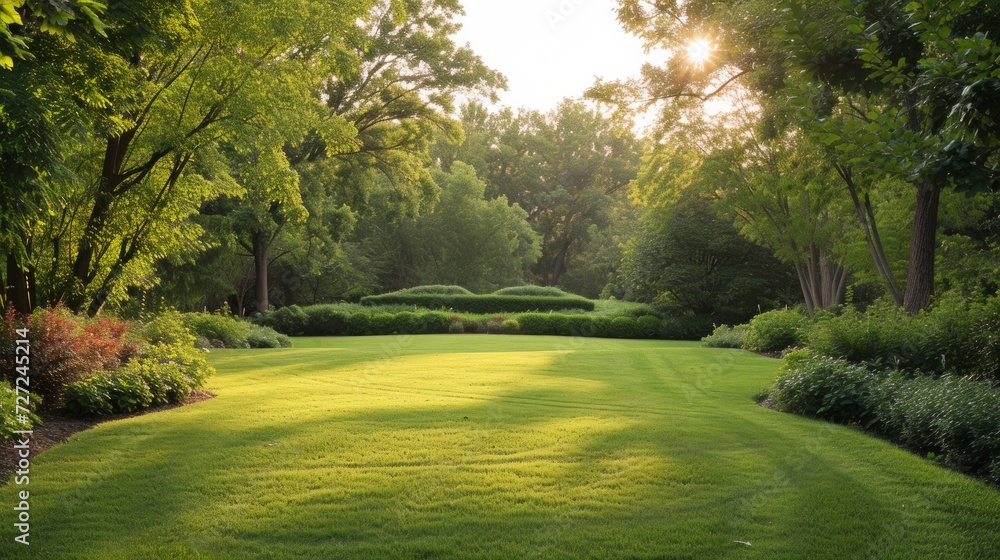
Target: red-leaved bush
65 348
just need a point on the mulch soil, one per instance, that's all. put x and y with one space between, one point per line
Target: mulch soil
57 429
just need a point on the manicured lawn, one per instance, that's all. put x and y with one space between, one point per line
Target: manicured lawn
476 446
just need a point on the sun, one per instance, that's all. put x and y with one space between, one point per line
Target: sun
699 52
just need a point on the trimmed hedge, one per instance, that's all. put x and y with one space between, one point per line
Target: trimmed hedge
530 290
333 320
482 303
436 289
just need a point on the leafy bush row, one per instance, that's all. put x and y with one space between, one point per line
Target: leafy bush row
725 336
482 303
94 366
167 369
331 320
956 336
225 331
328 320
435 289
530 290
954 418
65 348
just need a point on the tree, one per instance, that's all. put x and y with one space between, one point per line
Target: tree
775 185
22 21
567 168
689 259
471 240
180 80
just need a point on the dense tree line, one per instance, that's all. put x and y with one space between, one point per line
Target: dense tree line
197 155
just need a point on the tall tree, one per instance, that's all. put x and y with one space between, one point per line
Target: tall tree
567 168
929 75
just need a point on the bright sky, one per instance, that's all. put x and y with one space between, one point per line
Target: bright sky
550 49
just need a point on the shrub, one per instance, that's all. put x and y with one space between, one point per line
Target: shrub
65 348
325 320
647 326
231 332
529 290
406 323
775 330
544 324
291 320
883 336
166 382
166 329
357 324
977 350
87 398
126 388
381 323
685 327
601 326
511 326
623 327
951 416
824 387
8 412
726 337
494 325
433 323
482 303
472 326
436 289
456 326
579 325
265 337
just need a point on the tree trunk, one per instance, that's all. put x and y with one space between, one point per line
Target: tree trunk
923 243
823 282
804 283
17 289
261 245
866 218
559 265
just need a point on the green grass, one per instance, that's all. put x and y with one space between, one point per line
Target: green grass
492 447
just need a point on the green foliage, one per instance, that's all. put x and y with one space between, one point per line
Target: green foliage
623 327
725 336
291 320
381 323
436 289
775 330
687 326
544 324
324 320
647 326
529 290
231 332
433 323
824 387
687 260
481 303
358 324
121 391
883 336
953 417
265 337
